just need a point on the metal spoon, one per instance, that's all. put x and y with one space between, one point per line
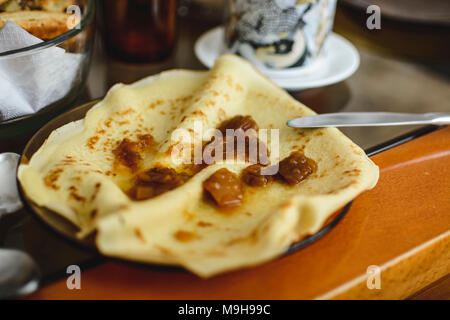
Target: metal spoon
9 196
19 274
369 119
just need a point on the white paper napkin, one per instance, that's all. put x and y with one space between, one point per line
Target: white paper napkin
31 82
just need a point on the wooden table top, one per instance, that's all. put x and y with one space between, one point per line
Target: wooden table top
402 226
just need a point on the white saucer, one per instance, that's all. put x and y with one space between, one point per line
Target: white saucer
338 61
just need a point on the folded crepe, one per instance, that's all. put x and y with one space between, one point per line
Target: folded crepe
80 173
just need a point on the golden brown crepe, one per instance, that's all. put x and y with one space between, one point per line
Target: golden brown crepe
77 174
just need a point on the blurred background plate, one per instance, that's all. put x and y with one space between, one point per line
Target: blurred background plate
339 60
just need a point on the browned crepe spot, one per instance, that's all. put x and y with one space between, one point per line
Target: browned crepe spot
185 236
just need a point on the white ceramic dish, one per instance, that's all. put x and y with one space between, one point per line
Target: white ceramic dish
338 61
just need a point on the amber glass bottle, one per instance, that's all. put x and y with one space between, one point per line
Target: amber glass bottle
138 30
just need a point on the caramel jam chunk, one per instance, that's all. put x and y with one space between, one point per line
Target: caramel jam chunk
156 181
225 188
253 177
296 168
260 152
239 122
128 152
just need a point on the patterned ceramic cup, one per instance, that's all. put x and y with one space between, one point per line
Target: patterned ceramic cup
279 34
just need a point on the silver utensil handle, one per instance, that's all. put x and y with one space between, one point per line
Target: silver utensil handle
369 119
439 118
9 194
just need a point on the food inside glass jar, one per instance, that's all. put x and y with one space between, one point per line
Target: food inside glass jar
45 5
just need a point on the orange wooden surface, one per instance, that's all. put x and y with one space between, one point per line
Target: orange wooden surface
402 225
